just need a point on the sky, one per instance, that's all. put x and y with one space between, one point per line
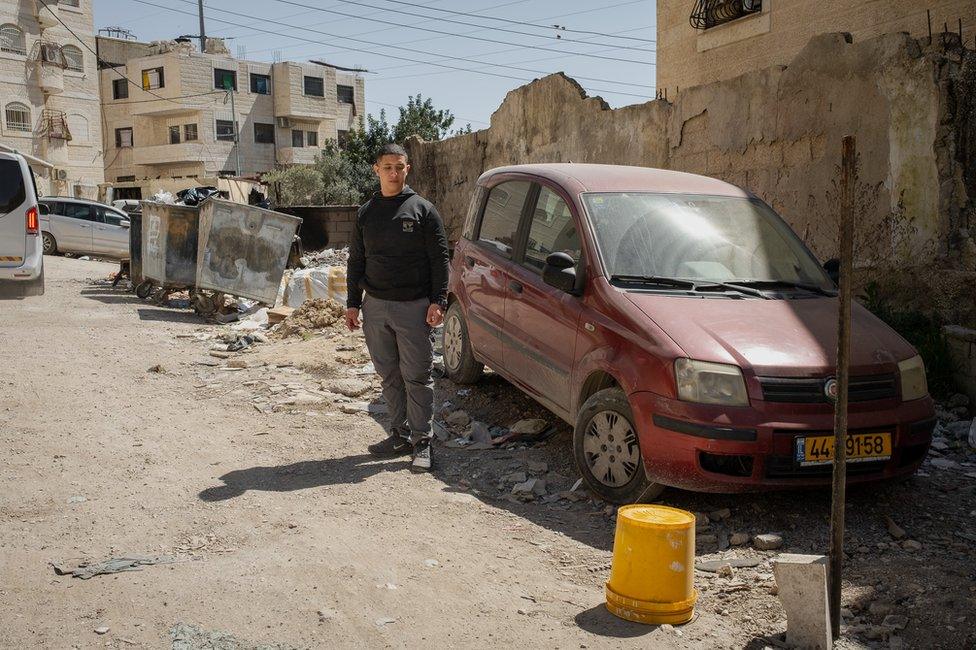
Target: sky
464 55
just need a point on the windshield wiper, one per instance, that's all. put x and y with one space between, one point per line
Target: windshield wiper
790 285
676 283
728 286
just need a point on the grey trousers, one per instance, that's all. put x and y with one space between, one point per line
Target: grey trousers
401 345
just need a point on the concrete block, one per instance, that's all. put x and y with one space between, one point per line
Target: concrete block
802 584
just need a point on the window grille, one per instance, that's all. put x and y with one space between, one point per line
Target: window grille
711 13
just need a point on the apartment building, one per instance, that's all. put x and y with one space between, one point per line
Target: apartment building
49 92
701 41
170 111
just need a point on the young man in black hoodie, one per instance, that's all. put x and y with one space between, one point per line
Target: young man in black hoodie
398 257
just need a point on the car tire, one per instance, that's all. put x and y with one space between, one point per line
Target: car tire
459 362
606 448
144 289
49 244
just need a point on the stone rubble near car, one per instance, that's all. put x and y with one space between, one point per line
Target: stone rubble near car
894 529
739 539
767 542
528 427
347 387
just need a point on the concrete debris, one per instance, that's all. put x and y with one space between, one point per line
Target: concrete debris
480 432
894 529
895 621
190 637
528 427
726 571
532 487
516 477
315 314
911 545
77 499
537 467
767 542
386 620
101 630
219 354
326 257
85 568
279 314
712 566
739 539
458 419
943 463
348 387
431 563
363 407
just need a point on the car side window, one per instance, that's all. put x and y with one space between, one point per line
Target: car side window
108 216
500 220
81 211
553 230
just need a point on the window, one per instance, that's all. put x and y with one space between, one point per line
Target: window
345 94
125 179
260 84
123 137
312 138
73 58
342 138
153 78
264 133
78 128
225 130
174 135
13 192
12 39
712 13
503 209
225 79
189 132
110 217
18 117
297 138
314 86
120 88
552 231
81 211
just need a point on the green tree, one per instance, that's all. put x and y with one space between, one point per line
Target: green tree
419 117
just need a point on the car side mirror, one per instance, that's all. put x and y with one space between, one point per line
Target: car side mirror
832 267
124 224
560 272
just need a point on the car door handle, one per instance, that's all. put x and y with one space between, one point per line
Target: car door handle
515 286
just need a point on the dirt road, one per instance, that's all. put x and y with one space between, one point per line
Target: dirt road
281 532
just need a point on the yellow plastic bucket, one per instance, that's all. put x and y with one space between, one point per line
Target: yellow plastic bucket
653 573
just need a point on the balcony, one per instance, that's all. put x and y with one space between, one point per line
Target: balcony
49 62
168 154
712 13
46 16
297 155
54 125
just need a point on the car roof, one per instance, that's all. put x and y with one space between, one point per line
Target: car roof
586 177
72 199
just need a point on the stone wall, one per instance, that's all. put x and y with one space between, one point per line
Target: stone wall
324 225
776 132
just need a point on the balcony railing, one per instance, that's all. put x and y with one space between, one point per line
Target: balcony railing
55 125
48 53
711 13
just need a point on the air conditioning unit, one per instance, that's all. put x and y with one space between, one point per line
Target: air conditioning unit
60 174
283 122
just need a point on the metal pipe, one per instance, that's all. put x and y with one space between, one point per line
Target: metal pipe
237 132
838 497
203 31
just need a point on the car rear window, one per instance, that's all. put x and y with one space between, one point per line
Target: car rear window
12 190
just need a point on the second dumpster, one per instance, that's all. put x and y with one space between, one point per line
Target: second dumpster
169 244
243 249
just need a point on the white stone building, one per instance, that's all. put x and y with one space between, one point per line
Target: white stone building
49 92
176 121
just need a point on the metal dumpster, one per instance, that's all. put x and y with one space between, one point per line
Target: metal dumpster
169 244
243 249
135 248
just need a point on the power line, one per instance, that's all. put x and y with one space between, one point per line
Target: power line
504 20
386 55
478 38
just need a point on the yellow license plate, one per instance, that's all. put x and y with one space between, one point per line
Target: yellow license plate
861 447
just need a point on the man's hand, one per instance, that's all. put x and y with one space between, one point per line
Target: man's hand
435 315
352 319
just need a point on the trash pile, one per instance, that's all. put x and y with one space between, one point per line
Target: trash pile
323 276
314 314
189 196
458 430
326 257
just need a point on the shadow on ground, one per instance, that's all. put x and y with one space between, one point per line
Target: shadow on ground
299 476
170 316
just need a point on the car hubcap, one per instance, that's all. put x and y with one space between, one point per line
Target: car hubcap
611 449
48 245
452 343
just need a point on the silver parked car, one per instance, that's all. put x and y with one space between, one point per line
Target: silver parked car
83 227
21 262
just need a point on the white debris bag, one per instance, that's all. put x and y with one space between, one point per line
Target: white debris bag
163 196
319 282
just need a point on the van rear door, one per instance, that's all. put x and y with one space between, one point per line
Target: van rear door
13 213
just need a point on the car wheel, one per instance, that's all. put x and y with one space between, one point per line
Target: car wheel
48 243
607 450
459 361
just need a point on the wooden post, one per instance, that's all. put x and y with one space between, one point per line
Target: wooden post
848 183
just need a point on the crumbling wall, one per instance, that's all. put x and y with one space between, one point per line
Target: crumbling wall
776 132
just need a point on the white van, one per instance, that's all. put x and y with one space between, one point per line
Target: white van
21 252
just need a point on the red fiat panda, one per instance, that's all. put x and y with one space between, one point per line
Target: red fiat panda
681 326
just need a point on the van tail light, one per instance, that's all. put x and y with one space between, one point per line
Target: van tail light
32 225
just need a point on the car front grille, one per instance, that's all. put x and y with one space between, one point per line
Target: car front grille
811 390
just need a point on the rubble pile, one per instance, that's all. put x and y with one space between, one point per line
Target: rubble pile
326 257
313 315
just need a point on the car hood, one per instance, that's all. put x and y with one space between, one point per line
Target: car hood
788 338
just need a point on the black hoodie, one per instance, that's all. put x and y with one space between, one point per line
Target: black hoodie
398 251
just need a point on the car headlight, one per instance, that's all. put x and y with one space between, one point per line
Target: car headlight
710 383
913 384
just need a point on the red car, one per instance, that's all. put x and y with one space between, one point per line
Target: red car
681 326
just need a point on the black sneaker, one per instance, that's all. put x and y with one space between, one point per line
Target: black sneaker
422 456
391 447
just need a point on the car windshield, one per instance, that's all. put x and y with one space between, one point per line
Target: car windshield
699 238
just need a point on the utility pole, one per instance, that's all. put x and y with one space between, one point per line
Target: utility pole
203 31
839 496
233 121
